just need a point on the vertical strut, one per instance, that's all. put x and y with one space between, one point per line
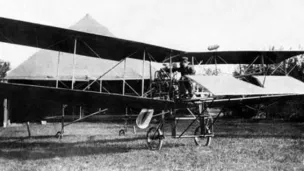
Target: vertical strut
143 76
6 107
100 86
174 123
171 76
62 118
57 73
124 81
201 118
284 65
150 87
262 62
74 62
80 112
28 129
215 61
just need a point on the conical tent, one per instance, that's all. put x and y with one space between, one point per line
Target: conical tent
90 25
52 65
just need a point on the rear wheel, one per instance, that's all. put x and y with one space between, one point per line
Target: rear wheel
122 132
59 135
154 138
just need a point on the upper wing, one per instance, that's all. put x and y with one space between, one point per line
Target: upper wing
59 39
240 57
67 96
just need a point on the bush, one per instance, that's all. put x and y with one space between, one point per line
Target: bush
4 67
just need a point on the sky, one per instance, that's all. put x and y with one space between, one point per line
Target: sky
190 25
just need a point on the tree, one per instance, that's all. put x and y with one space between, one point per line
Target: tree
291 109
210 71
4 67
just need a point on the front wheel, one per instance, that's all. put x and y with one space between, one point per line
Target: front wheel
203 139
154 138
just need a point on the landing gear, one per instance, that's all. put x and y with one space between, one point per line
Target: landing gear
122 132
155 138
202 140
59 135
203 137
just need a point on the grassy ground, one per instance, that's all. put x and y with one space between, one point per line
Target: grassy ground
237 145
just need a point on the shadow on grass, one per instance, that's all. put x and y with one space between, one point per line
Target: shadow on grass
29 150
26 137
24 150
48 147
236 135
52 151
23 142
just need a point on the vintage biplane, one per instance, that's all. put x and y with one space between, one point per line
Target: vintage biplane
161 95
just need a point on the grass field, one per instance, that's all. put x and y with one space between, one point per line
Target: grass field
237 145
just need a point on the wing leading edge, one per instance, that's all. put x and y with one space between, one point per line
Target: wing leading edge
67 96
230 102
79 97
60 39
241 57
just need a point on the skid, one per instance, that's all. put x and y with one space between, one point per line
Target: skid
60 133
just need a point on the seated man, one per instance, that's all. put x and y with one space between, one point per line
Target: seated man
186 84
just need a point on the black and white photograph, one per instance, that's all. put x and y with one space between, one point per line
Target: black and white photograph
164 85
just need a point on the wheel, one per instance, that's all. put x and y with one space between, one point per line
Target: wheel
205 141
155 138
59 135
122 132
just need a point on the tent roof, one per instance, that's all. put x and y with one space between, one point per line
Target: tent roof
43 64
89 25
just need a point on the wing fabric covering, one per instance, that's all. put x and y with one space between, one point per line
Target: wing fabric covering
67 96
60 39
241 57
230 86
281 84
227 85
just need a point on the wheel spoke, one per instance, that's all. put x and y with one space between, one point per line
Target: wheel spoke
202 139
154 138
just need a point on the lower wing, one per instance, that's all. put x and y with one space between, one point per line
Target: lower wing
68 96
